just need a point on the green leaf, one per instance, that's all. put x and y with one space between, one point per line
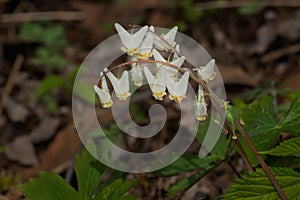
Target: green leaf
258 186
48 84
291 122
253 7
88 172
184 183
261 124
116 190
262 142
48 186
46 57
187 163
261 117
220 148
289 147
85 91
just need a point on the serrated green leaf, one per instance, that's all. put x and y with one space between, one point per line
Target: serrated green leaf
187 163
184 183
88 172
262 142
115 190
258 186
261 124
291 122
48 186
261 117
289 147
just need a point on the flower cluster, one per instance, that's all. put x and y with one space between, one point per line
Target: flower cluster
146 45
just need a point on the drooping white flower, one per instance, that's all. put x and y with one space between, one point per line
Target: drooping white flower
103 93
177 89
136 74
131 42
121 85
208 71
170 72
201 106
177 50
157 84
169 38
145 50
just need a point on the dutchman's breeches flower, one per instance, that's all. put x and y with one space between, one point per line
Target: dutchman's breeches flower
201 106
170 72
136 74
121 86
131 42
208 71
169 38
103 93
177 89
157 83
141 46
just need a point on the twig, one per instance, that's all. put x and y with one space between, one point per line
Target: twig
11 79
273 55
42 16
261 161
238 4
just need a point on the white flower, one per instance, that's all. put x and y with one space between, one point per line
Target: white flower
103 93
177 89
170 72
121 86
201 106
177 50
145 50
208 71
131 42
169 38
157 84
136 74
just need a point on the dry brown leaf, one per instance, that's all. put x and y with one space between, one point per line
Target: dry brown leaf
15 111
45 130
22 151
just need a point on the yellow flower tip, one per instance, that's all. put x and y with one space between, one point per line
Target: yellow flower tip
123 97
177 99
201 118
143 56
106 104
130 52
159 95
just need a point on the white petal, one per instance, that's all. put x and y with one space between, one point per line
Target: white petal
177 48
170 36
103 95
124 83
124 35
178 62
200 93
137 75
149 75
146 46
181 86
138 37
208 71
201 111
103 82
112 78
